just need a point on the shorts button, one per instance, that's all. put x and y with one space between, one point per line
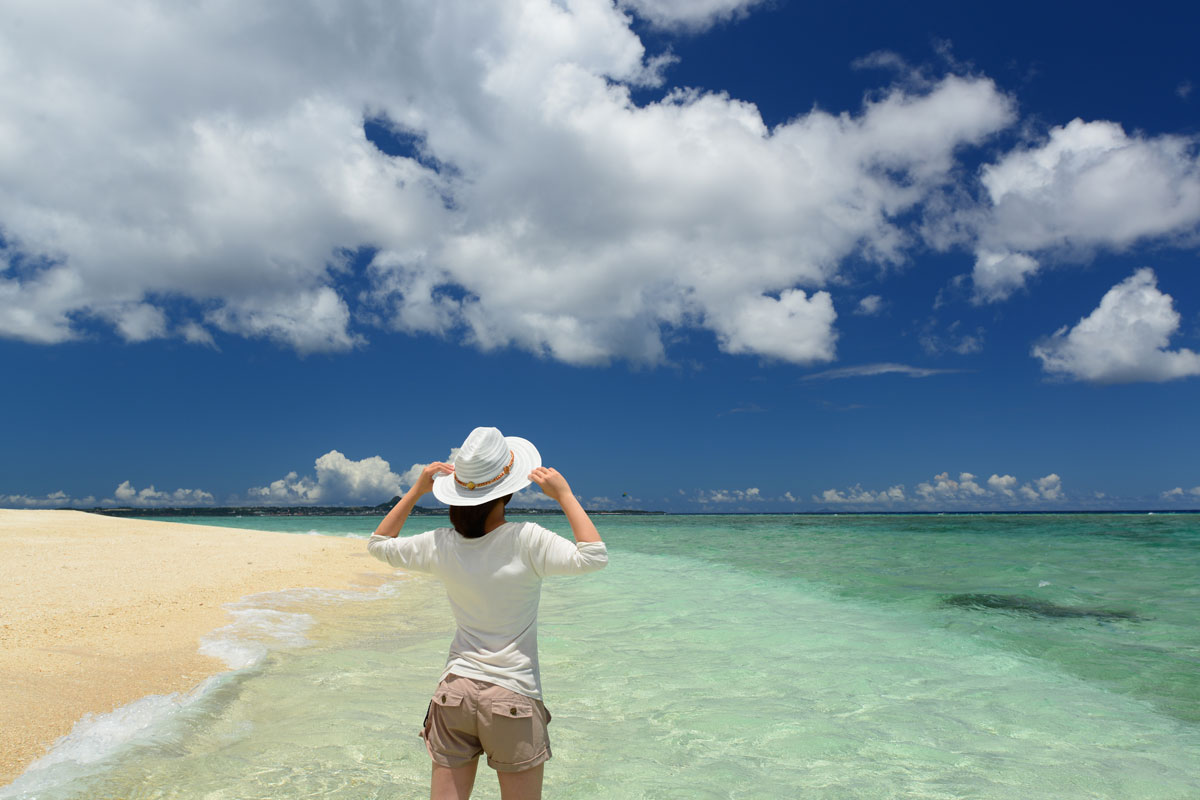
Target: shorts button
443 698
512 711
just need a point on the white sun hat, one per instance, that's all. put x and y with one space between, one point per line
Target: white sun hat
488 465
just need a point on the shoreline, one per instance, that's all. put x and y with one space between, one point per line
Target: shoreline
97 612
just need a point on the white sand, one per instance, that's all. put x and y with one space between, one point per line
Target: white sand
97 611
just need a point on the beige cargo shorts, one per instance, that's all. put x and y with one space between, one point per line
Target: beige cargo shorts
468 717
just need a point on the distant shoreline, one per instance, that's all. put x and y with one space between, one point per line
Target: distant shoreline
321 511
419 511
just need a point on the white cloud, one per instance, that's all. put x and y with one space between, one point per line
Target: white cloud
195 333
859 496
869 305
1003 484
868 370
1049 487
943 487
883 59
338 480
124 495
998 274
692 15
138 322
1088 186
1178 493
1123 340
313 320
532 496
944 491
793 328
750 495
177 171
59 499
412 473
951 340
127 495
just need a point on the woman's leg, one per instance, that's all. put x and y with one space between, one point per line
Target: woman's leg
452 784
525 785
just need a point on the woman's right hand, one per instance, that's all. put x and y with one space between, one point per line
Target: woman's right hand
424 484
555 486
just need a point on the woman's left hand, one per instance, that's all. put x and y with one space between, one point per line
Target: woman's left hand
424 484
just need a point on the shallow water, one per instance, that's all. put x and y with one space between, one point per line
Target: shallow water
729 657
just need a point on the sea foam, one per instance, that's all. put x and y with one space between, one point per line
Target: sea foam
253 633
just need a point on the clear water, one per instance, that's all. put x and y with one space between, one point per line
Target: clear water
724 657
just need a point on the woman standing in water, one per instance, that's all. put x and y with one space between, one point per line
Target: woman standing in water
489 699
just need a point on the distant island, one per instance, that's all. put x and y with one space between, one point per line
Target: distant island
321 511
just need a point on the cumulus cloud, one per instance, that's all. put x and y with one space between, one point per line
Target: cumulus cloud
1179 493
1047 488
859 496
750 495
998 274
59 499
337 480
177 171
691 15
943 488
533 497
194 333
869 305
128 495
1124 340
1003 484
310 320
1088 186
946 491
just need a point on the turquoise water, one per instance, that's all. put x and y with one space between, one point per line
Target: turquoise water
1017 657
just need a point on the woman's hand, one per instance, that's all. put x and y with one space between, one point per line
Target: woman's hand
551 481
555 486
424 484
396 518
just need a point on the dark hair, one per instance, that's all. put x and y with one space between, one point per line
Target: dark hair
468 520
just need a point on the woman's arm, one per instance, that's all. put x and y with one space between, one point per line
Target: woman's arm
396 518
555 486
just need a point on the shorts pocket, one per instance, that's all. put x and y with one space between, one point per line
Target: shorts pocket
512 708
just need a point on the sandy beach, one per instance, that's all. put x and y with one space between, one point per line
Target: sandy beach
97 611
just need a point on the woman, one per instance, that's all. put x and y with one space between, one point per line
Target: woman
489 699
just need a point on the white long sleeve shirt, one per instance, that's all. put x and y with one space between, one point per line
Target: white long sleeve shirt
494 584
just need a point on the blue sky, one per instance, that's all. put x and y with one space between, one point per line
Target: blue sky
708 256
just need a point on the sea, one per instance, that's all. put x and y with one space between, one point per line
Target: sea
1014 657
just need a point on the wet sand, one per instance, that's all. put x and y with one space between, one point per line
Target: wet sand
97 611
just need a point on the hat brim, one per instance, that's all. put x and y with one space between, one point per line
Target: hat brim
525 459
